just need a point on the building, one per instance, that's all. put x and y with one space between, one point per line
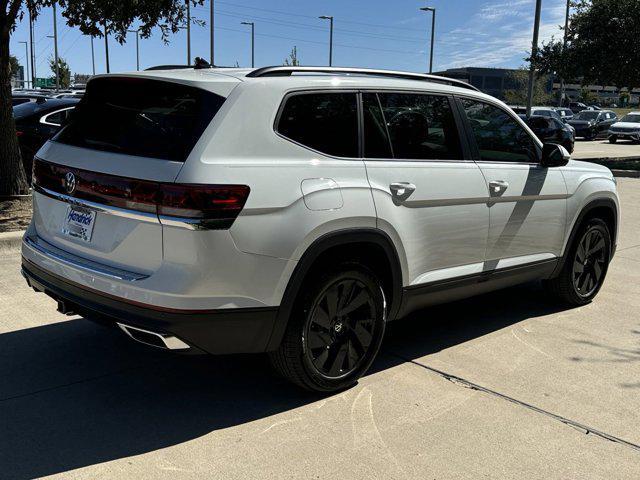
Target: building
493 81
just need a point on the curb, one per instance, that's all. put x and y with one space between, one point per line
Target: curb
626 173
10 241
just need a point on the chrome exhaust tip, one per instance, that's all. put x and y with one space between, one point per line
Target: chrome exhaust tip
154 339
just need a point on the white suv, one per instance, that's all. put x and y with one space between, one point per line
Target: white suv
296 210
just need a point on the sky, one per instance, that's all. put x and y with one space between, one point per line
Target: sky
391 34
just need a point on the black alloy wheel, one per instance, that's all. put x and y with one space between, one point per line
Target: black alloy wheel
589 263
586 265
340 328
335 329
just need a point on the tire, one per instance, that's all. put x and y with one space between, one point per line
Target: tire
582 276
335 330
613 139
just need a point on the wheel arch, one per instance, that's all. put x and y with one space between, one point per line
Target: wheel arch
339 242
604 208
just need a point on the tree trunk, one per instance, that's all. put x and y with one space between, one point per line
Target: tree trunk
13 180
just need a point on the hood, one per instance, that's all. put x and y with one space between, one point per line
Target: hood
581 123
626 125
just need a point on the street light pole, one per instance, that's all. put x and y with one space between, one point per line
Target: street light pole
32 57
188 33
211 34
433 32
26 57
330 18
106 47
253 39
55 47
534 54
137 49
93 57
564 48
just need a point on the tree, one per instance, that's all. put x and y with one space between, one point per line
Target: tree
14 64
64 72
602 45
292 59
517 92
91 17
587 96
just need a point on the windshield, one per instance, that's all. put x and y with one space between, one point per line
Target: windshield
631 118
587 115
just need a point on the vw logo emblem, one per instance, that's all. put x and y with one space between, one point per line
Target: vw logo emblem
69 182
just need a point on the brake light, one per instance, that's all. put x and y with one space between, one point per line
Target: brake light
19 133
214 202
207 206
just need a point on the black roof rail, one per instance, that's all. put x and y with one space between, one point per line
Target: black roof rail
169 67
288 71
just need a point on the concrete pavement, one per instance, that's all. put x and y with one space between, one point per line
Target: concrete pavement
507 385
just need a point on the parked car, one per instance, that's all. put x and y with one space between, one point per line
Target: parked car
551 130
565 113
577 107
297 210
590 124
544 112
627 128
19 97
36 122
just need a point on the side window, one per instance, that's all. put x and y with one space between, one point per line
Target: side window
498 136
376 135
420 126
327 122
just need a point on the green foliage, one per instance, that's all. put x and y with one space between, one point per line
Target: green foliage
14 64
519 82
587 96
91 16
64 72
602 46
624 98
292 60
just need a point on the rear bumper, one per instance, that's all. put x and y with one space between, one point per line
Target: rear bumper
240 330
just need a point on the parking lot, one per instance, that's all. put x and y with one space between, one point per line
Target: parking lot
603 149
507 385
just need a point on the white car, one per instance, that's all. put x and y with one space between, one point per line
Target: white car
627 128
297 210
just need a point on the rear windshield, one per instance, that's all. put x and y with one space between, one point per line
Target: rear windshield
27 109
141 117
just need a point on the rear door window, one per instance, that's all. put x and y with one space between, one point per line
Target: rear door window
326 122
141 117
420 126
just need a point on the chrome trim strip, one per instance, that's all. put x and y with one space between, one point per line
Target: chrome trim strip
120 212
45 248
194 223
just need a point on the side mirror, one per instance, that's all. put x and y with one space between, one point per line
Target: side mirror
554 155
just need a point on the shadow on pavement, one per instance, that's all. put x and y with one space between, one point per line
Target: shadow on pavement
74 394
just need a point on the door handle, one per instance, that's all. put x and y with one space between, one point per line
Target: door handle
497 187
402 190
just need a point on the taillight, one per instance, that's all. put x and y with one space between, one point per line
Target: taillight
217 204
200 206
19 133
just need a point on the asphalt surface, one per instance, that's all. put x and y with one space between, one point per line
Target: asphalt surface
507 385
595 149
